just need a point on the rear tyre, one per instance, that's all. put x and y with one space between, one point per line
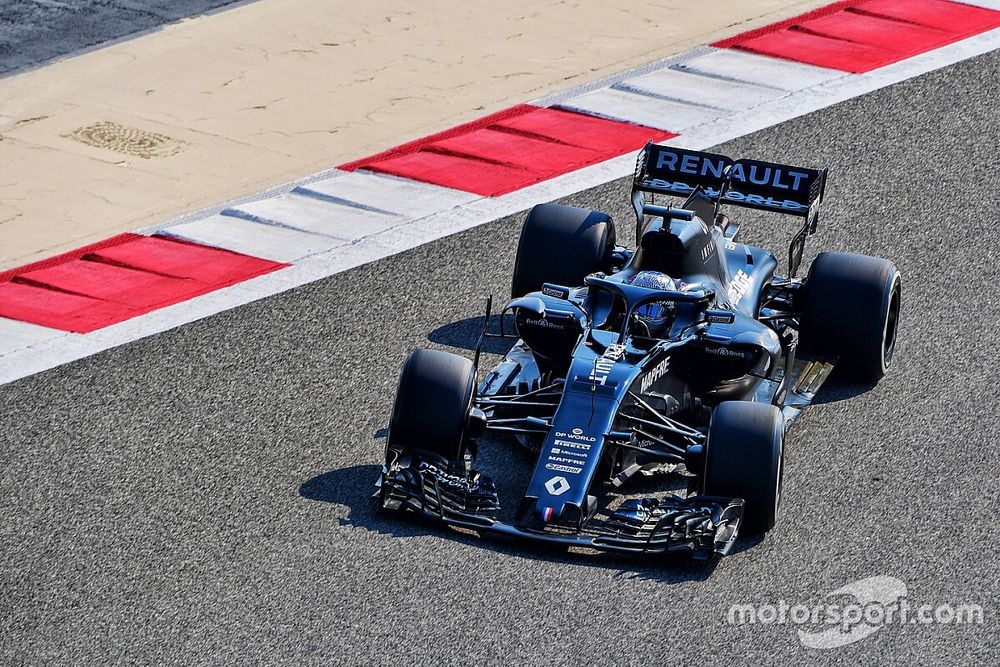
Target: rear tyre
432 404
851 310
744 459
561 245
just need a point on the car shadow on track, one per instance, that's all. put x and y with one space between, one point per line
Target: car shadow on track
836 389
464 334
352 488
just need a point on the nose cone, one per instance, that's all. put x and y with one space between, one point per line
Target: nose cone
548 514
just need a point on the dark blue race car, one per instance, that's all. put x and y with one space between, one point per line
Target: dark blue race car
687 356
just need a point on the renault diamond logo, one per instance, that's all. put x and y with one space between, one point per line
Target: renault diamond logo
557 485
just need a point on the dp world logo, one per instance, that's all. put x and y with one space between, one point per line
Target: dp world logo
557 485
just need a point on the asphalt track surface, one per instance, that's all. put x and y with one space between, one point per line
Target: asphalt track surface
34 31
200 497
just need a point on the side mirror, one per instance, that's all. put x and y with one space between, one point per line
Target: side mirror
555 291
532 304
720 316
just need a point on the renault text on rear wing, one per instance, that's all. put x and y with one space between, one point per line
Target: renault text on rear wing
763 185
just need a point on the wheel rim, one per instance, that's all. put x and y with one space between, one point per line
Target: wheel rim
891 324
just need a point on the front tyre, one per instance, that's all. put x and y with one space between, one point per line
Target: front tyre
432 405
851 311
744 458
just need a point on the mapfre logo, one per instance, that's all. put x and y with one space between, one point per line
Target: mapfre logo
658 371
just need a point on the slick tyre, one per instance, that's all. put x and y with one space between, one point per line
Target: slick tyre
744 459
561 245
851 311
432 404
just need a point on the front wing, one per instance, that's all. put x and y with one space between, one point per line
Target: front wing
700 526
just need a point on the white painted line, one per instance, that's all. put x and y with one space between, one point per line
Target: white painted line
407 198
48 353
694 87
278 244
760 70
319 215
635 107
988 4
16 336
313 215
692 91
558 98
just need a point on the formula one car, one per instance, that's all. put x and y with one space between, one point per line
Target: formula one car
686 356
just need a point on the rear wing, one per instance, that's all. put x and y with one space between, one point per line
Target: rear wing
767 186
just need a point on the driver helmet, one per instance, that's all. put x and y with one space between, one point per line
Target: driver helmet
656 315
